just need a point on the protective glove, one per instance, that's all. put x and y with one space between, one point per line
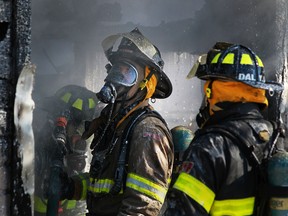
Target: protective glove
58 184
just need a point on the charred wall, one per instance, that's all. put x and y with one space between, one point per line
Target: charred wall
15 36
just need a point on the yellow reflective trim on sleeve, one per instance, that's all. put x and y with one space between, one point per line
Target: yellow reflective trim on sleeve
195 189
78 104
146 187
92 103
100 185
40 205
84 182
69 204
233 207
66 97
169 180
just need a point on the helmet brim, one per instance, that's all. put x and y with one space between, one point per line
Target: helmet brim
147 53
164 86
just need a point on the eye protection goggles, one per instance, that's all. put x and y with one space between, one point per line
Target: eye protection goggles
122 73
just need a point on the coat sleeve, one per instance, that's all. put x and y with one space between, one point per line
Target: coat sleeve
202 174
149 168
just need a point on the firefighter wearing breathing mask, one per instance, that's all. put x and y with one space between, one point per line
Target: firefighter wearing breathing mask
132 147
219 171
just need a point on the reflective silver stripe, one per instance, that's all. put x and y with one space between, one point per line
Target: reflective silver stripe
100 185
146 187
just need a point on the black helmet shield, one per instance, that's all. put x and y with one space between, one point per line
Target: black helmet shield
138 48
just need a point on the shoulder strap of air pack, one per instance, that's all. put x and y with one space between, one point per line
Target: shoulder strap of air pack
120 177
245 145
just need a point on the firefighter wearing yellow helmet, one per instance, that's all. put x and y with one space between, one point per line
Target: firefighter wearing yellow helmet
132 147
67 109
218 174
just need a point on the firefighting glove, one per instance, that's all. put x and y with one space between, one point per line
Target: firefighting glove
58 184
67 187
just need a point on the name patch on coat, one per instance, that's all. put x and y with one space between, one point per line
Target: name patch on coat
154 136
186 166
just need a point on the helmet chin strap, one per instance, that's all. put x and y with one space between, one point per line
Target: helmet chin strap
203 116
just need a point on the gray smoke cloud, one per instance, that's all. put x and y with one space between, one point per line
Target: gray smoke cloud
67 36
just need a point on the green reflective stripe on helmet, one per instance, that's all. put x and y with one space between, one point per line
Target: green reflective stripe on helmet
215 59
246 59
229 59
245 67
195 189
66 97
146 187
92 103
232 207
40 205
260 63
78 104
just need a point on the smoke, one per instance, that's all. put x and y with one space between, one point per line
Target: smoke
153 13
67 36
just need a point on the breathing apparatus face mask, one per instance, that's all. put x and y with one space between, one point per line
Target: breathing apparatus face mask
121 76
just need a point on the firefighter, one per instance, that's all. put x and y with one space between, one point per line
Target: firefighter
218 176
132 147
71 105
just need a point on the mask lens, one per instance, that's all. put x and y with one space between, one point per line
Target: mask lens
122 73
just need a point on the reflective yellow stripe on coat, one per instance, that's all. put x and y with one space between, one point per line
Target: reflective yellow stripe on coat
205 197
195 189
100 185
84 182
146 187
40 205
233 207
68 204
